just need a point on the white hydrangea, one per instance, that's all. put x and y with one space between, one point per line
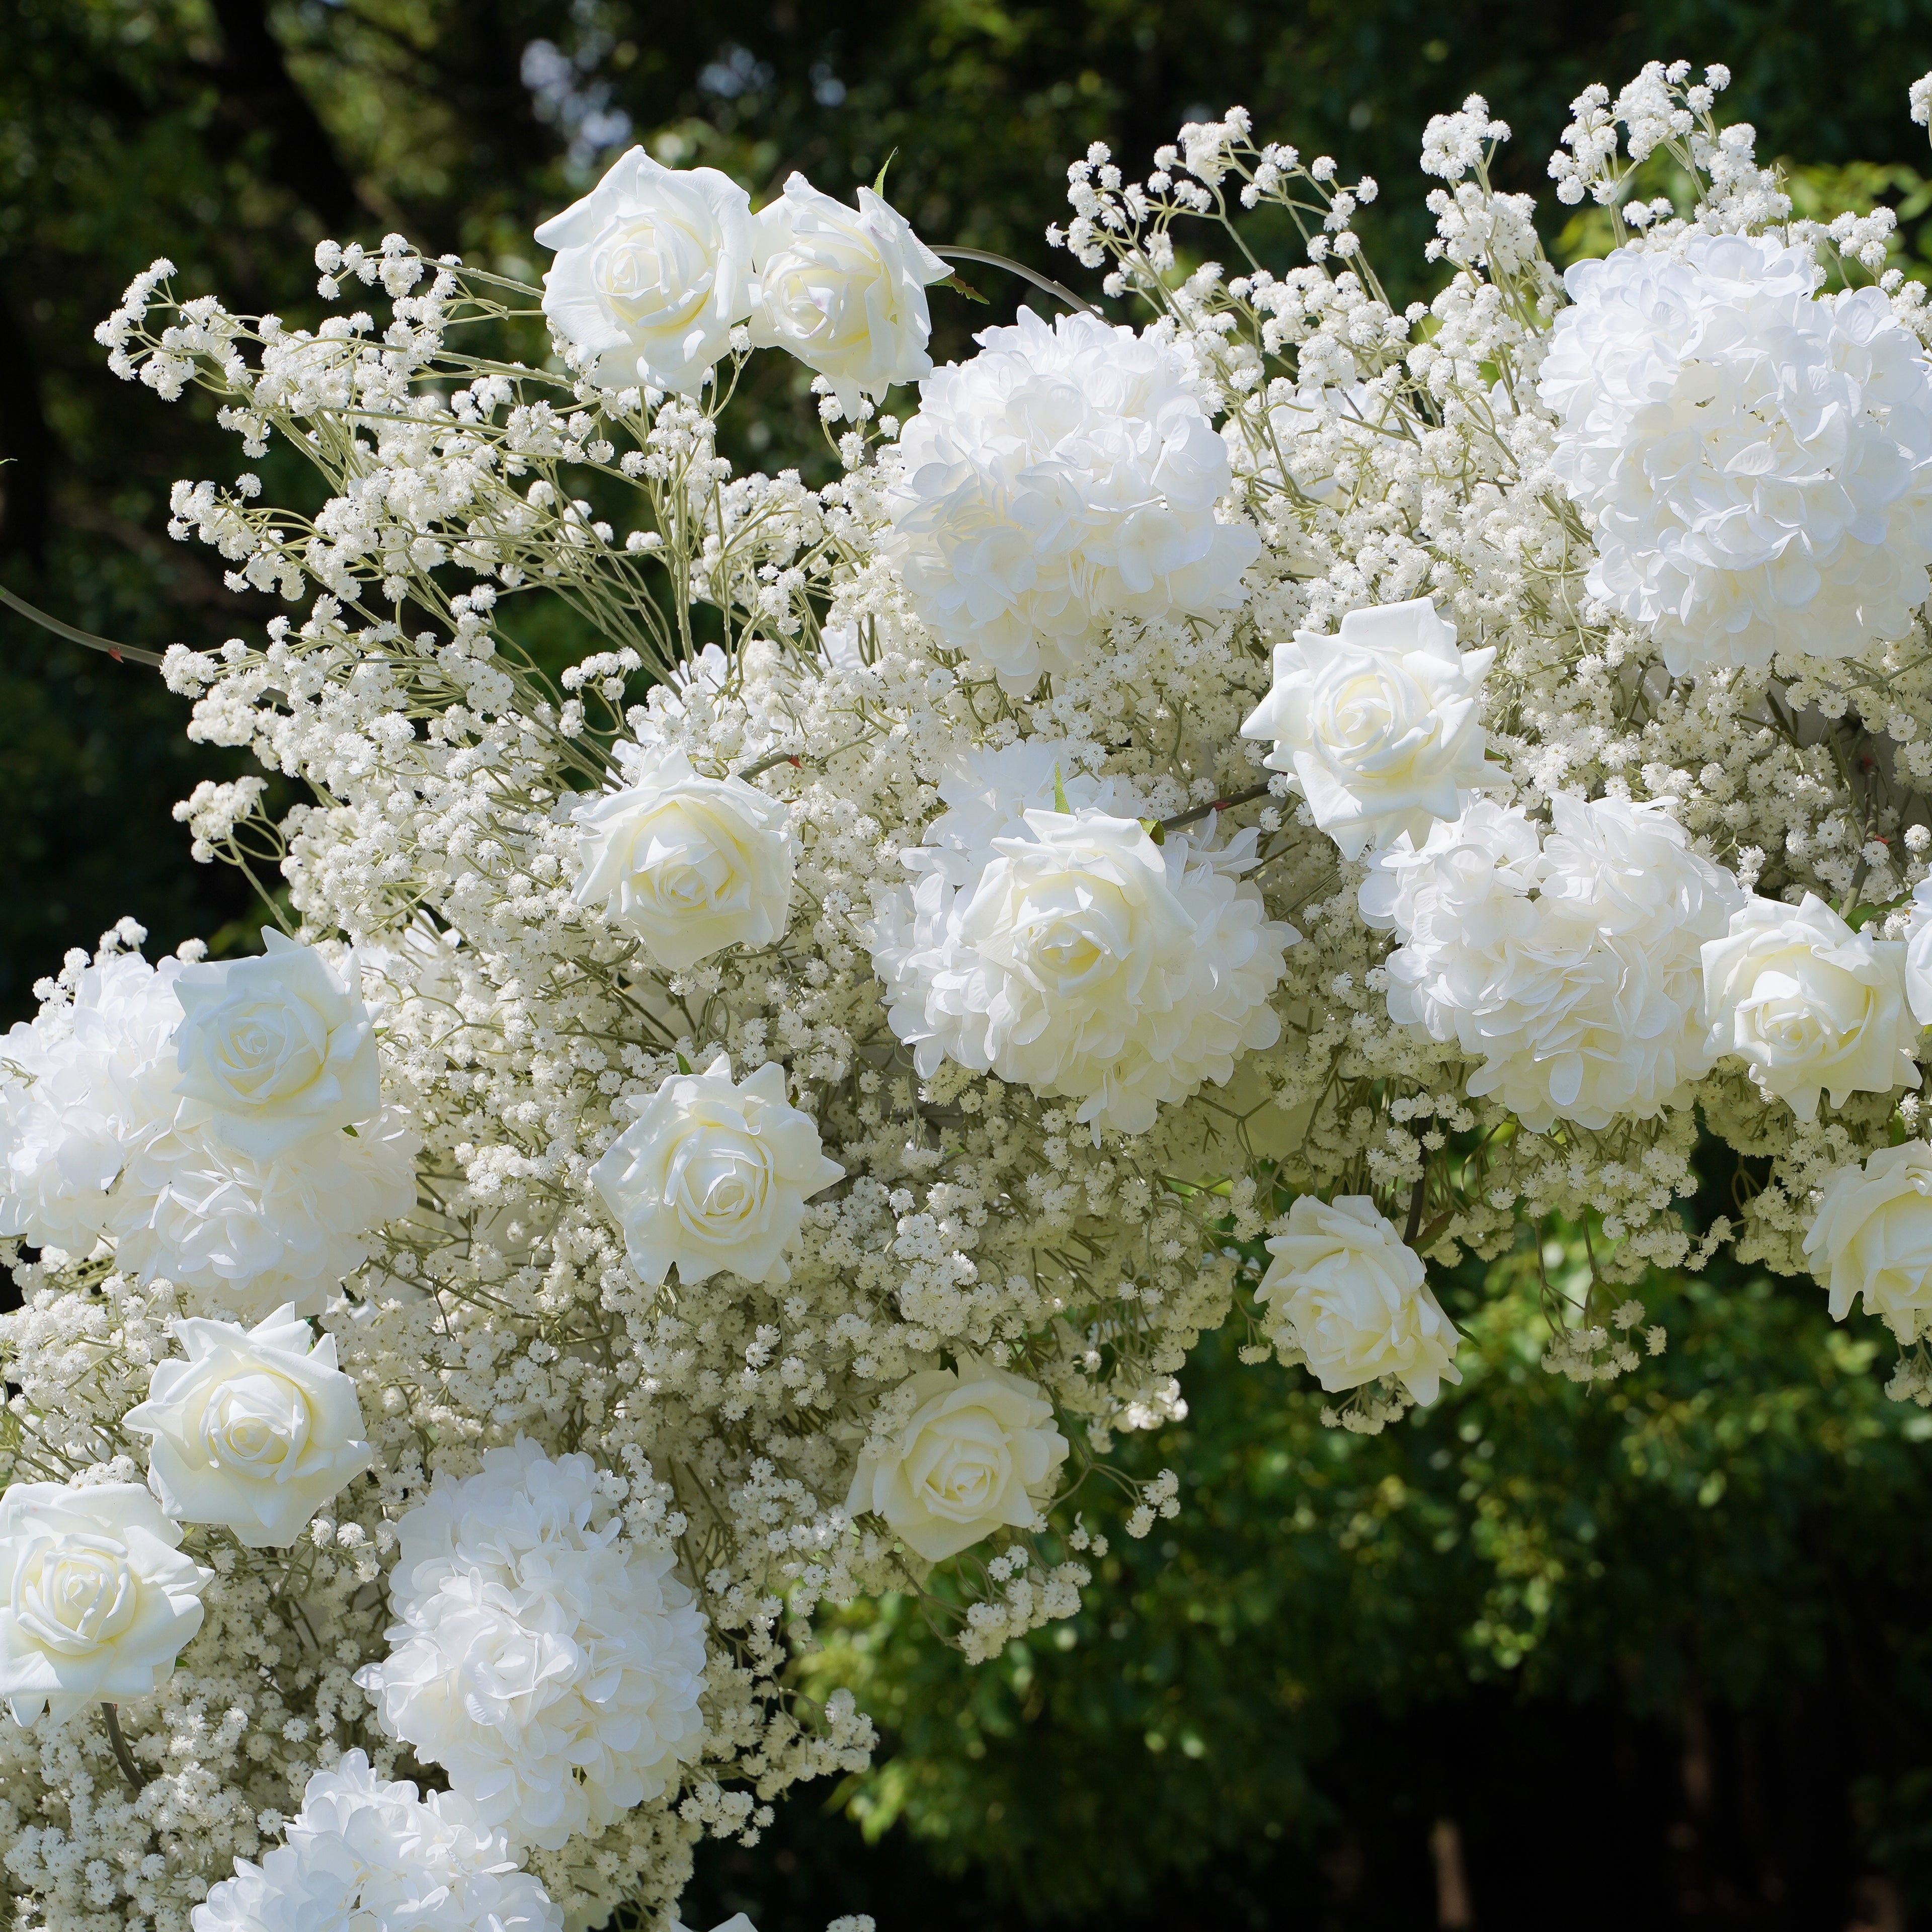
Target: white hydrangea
366 1852
85 1083
1064 476
1570 967
550 1663
1756 458
1074 954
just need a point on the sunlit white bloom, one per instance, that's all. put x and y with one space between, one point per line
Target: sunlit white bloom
82 1086
1078 958
1756 459
713 1175
1810 1005
1064 476
844 290
1382 725
1570 966
551 1665
978 1452
96 1599
653 267
251 1235
691 865
365 1853
1352 1300
275 1047
1873 1238
255 1430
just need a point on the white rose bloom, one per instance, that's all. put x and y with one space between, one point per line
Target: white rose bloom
96 1599
255 1430
251 1235
1063 477
1572 969
713 1175
1918 954
979 1450
276 1047
1353 1301
1077 958
1810 1005
552 1666
82 1086
1382 725
1874 1237
844 290
653 268
690 864
366 1853
1756 459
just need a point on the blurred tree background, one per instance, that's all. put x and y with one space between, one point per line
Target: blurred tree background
1655 1656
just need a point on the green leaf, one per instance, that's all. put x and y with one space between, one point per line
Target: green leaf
960 287
683 1065
1059 793
879 180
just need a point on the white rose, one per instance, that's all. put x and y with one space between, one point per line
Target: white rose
844 290
276 1047
1079 958
653 268
980 1450
95 1597
1918 954
1810 1004
713 1175
1353 1300
1874 1237
256 1429
691 865
1382 726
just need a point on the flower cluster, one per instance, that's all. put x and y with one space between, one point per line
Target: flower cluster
1206 817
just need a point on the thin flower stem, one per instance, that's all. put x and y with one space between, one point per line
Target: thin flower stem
1044 284
130 1770
1188 818
119 652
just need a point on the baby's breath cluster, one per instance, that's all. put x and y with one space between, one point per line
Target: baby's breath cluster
1224 807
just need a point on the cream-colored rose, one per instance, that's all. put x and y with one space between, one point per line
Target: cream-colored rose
1382 725
653 268
276 1047
844 290
1874 1237
980 1450
255 1430
96 1599
1810 1005
713 1175
691 865
1353 1301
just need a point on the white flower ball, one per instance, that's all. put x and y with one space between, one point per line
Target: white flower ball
1063 477
255 1430
690 864
552 1666
713 1175
844 290
1756 459
96 1600
1077 958
1570 968
1353 1302
978 1451
1382 725
247 1234
83 1084
366 1853
276 1047
1810 1005
653 268
1873 1238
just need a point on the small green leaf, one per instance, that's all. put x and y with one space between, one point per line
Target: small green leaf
352 1132
1059 793
960 287
1155 830
879 182
683 1065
